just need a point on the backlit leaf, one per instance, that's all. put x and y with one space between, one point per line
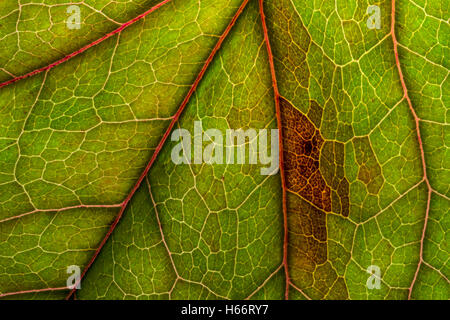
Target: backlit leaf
87 176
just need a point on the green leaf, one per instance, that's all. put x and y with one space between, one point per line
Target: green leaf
86 171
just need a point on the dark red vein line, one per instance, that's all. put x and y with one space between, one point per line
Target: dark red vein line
419 138
280 144
301 291
265 281
32 291
75 53
164 138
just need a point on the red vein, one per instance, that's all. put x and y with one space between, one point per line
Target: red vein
265 282
81 206
299 290
163 238
280 144
75 53
164 138
32 291
419 138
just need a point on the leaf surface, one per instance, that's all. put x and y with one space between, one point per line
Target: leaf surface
87 178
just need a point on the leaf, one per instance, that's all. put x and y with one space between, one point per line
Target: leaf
87 177
35 33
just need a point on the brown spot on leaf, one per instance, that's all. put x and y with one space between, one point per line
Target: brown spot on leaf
315 177
303 144
304 151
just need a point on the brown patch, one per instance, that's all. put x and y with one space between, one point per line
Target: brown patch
302 143
305 150
308 250
313 176
308 232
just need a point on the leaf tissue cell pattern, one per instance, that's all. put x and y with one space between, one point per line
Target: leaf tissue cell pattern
86 176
